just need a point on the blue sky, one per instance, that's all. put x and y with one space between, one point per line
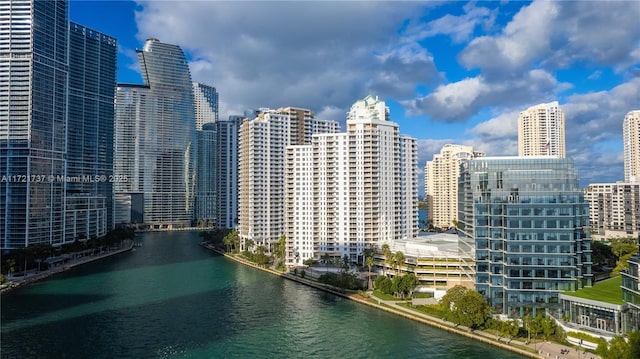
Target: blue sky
450 72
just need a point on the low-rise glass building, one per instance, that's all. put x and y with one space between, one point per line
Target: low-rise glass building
525 221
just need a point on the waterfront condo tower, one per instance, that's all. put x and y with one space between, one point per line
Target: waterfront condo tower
262 172
56 117
347 192
631 146
206 197
92 85
33 119
541 131
441 182
526 222
155 140
206 111
227 133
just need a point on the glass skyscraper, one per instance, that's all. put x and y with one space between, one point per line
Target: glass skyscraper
92 84
56 120
155 141
33 114
525 221
205 201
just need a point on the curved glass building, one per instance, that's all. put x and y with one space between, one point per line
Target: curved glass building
155 139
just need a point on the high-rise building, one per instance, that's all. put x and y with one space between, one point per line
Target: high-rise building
206 111
33 119
631 145
92 84
206 104
54 128
441 182
346 192
155 140
541 131
205 201
614 209
226 153
526 222
261 159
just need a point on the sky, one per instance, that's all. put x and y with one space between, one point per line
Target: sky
450 72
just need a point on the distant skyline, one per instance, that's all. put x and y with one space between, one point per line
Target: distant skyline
450 72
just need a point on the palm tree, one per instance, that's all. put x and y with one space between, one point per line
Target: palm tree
398 260
386 251
346 263
326 259
369 262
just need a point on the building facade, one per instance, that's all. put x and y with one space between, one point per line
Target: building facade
92 86
33 120
261 163
527 223
155 138
541 131
206 104
206 196
56 120
350 191
227 143
631 292
614 209
631 146
441 182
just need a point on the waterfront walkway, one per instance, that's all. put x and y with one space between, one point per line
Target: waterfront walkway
533 350
22 278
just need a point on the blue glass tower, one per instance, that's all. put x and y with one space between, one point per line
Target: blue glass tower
33 116
156 141
526 221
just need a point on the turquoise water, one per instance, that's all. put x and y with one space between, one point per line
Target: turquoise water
172 298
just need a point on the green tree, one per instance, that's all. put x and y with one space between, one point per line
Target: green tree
369 262
601 254
231 240
386 251
472 310
11 265
398 259
308 261
261 257
326 259
345 263
383 284
452 296
407 284
619 348
634 344
280 249
541 325
367 252
248 244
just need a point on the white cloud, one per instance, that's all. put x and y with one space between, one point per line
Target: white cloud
457 101
309 54
459 28
502 126
556 34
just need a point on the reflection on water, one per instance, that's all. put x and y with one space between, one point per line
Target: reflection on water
173 298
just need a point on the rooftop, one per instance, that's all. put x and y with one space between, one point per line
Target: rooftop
607 291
